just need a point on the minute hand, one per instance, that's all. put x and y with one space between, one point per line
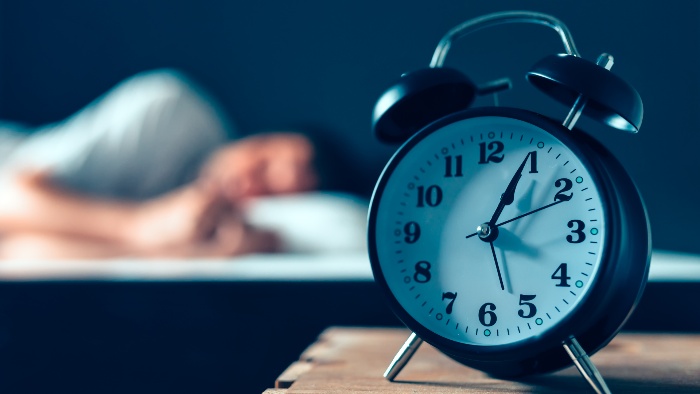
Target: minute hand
508 196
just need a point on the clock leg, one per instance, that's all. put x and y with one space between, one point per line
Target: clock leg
585 366
402 357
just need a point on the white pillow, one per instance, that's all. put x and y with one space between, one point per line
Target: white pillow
313 222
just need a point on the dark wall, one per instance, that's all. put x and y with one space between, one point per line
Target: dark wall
319 66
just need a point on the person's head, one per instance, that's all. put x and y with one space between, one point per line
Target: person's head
262 164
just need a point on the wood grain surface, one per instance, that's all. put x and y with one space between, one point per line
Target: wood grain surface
352 360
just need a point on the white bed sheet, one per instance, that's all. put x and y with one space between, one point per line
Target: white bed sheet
666 266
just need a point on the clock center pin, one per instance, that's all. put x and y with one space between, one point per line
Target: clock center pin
487 232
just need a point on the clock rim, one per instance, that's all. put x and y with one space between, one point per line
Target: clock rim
590 309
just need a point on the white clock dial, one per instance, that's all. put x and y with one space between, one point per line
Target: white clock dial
480 289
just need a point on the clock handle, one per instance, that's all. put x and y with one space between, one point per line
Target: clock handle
585 366
401 359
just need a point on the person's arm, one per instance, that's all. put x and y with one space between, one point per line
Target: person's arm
31 203
233 237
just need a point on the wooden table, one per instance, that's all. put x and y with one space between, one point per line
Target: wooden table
351 360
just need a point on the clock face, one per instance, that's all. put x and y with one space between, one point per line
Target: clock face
488 230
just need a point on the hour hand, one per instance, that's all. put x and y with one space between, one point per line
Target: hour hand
508 196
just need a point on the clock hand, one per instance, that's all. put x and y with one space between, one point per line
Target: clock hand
480 231
498 269
530 213
508 196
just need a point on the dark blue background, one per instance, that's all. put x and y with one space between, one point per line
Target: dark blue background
319 66
316 66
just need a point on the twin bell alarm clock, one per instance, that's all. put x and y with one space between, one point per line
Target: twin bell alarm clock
512 242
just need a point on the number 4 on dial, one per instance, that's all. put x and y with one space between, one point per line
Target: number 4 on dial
561 276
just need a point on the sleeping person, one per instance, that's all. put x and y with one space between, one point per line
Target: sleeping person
144 171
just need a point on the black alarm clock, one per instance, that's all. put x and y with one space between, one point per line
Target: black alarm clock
512 242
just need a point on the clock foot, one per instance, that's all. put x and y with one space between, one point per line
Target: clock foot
402 357
585 366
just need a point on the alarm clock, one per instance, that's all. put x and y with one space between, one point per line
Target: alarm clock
510 241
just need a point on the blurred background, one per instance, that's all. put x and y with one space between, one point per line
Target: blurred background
318 67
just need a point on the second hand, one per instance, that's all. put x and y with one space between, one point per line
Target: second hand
522 216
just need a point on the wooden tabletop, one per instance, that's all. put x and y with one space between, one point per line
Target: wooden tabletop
350 360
